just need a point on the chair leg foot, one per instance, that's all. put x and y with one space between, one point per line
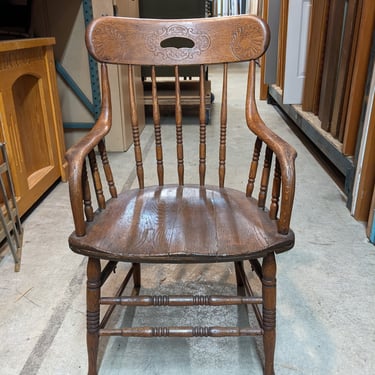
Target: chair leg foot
269 312
93 313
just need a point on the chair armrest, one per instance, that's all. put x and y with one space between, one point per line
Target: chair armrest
286 156
77 154
284 152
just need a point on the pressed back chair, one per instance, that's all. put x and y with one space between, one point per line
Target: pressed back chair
181 223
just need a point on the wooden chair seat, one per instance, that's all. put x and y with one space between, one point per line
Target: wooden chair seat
180 224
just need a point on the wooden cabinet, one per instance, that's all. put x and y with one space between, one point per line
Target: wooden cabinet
30 118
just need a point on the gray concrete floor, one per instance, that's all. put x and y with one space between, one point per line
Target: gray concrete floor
326 285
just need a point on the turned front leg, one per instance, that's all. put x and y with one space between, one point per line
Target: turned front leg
93 313
269 311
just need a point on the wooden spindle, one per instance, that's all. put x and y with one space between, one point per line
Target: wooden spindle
265 178
181 300
89 212
253 167
135 128
178 113
157 129
181 331
252 115
96 180
107 169
202 127
274 208
223 126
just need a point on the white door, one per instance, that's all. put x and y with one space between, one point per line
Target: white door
296 50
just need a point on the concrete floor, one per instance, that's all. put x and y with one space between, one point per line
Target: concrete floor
326 287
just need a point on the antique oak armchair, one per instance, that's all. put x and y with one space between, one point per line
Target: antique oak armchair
181 223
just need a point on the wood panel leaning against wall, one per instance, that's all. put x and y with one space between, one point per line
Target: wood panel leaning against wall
340 143
363 47
315 56
345 73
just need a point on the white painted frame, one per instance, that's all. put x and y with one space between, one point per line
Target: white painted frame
296 50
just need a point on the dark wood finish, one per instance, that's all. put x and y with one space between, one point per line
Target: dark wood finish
93 312
181 223
196 228
331 62
202 122
269 310
362 54
350 76
198 300
315 57
344 76
223 126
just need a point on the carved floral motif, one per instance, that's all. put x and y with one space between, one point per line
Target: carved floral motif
201 43
247 41
113 39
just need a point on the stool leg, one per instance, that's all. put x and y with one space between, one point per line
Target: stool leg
93 313
269 311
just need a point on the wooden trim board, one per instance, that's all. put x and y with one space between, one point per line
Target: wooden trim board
315 58
331 61
359 72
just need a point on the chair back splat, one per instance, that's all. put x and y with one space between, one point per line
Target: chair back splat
174 219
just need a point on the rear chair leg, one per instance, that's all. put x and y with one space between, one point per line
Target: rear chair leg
269 311
238 266
93 313
137 275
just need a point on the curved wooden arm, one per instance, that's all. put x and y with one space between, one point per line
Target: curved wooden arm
287 191
284 152
76 154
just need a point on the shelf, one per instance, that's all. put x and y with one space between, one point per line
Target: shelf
310 126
